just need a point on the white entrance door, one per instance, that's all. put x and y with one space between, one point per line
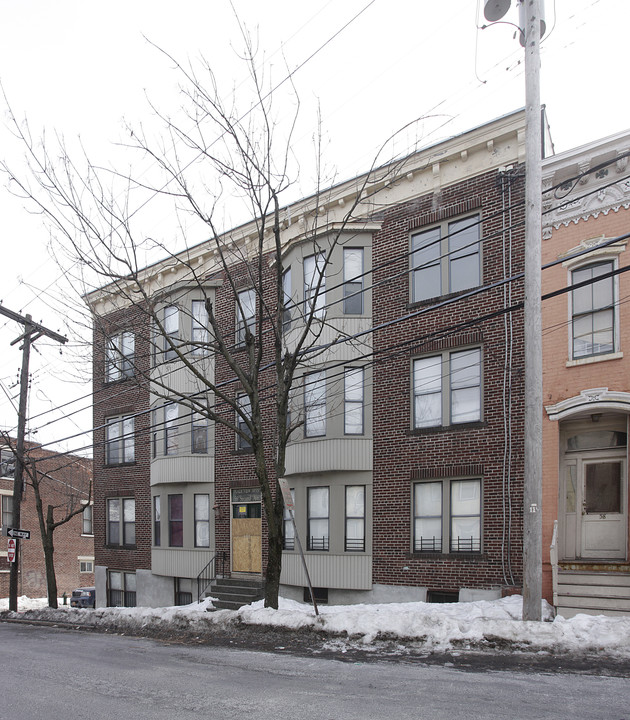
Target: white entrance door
595 519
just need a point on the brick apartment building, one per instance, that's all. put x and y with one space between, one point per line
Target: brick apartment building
406 465
65 481
586 335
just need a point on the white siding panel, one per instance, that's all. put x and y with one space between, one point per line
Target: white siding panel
175 562
329 454
188 469
349 572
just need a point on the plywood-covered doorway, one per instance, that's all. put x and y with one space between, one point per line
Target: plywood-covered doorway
246 531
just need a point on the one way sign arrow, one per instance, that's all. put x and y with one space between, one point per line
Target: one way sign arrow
22 534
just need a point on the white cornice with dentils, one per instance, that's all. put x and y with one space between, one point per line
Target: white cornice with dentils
496 145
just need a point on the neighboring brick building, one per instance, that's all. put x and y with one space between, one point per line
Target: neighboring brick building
586 337
66 482
373 466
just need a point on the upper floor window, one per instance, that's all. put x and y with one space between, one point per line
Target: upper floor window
447 388
352 281
7 463
593 312
88 514
121 521
6 505
171 429
245 315
119 356
446 259
119 440
318 517
171 331
353 401
199 333
314 286
287 300
157 521
199 429
447 516
243 439
315 404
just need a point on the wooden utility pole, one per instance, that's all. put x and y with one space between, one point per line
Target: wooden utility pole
32 331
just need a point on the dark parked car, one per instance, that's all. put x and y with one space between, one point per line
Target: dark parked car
83 597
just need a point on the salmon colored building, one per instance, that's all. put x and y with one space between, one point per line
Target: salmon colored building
586 381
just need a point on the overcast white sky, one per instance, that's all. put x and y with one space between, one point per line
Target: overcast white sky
78 68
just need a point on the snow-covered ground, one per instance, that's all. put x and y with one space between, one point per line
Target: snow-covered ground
435 627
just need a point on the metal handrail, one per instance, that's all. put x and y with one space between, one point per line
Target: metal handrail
209 574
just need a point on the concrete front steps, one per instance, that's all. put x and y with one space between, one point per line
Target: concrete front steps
232 593
591 591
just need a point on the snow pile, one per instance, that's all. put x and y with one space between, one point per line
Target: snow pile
442 627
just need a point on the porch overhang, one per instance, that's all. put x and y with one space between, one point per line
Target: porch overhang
594 400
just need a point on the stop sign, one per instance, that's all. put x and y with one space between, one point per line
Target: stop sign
11 550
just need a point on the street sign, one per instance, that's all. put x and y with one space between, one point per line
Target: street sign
11 550
22 534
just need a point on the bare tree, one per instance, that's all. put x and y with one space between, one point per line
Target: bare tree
62 488
216 161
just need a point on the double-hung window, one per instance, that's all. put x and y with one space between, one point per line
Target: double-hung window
355 518
6 505
314 286
171 332
88 515
446 259
176 520
245 315
157 521
447 388
289 529
199 433
171 429
7 463
121 521
199 333
353 400
121 589
318 517
287 300
243 439
202 520
447 516
352 281
315 404
119 356
119 440
593 312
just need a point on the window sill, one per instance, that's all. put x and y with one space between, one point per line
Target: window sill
417 304
589 360
121 547
243 451
476 556
117 381
118 465
477 425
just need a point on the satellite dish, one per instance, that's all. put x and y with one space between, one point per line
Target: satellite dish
522 21
494 10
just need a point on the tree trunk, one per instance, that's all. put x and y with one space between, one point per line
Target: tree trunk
49 558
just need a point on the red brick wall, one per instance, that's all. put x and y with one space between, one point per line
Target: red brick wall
472 450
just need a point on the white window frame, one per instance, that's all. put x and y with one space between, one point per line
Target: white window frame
287 299
435 252
6 509
84 562
315 404
7 463
245 315
313 541
611 265
171 429
444 512
202 520
120 440
198 427
353 303
119 356
199 333
314 268
87 520
353 401
354 531
288 536
437 383
171 332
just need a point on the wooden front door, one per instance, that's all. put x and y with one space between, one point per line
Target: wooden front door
246 538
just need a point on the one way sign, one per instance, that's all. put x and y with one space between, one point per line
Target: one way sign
22 534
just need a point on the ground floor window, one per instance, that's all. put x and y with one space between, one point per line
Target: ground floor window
447 516
183 591
121 589
318 517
